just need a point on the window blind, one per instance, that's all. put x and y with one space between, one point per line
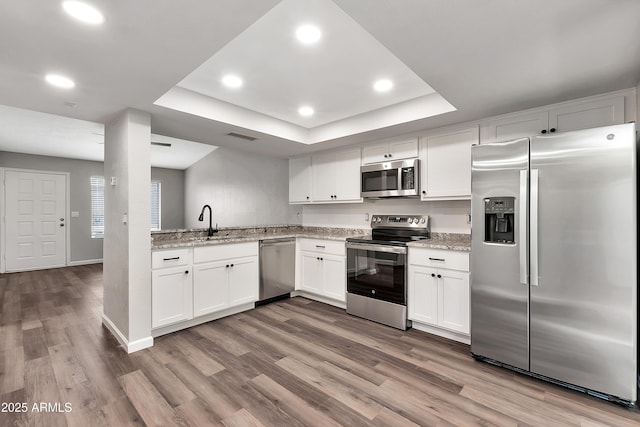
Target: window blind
97 206
156 204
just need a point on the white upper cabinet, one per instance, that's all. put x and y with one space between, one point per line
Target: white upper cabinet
336 176
584 114
591 114
389 151
300 180
512 127
446 164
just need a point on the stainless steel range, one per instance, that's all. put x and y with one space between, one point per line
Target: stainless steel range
377 268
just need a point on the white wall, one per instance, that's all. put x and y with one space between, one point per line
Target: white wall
243 189
127 248
81 246
445 216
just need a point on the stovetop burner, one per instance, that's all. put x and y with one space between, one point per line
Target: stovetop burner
395 230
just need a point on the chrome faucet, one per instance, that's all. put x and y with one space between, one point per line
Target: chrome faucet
210 231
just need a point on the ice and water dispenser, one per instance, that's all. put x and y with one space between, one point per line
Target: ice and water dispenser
499 219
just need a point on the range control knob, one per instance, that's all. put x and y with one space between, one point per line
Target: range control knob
422 220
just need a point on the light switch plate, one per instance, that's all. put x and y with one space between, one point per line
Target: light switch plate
75 214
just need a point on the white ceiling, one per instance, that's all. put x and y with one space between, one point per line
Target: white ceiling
483 57
335 75
32 132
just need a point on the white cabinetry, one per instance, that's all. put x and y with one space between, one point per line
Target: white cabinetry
438 299
336 176
211 287
195 285
389 151
300 180
171 287
584 114
322 269
446 164
224 276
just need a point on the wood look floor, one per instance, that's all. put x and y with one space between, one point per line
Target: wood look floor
291 363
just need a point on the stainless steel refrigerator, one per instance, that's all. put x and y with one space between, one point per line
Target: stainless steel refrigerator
554 258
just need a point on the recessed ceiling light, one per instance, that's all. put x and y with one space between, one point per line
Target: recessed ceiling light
308 34
60 81
83 12
231 80
383 85
305 111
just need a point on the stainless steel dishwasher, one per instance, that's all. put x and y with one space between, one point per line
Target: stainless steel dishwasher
277 269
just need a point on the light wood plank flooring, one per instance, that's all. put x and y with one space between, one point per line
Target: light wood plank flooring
291 363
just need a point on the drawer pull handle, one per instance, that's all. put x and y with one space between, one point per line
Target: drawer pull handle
436 259
171 259
320 246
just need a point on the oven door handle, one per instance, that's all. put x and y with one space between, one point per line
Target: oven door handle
378 248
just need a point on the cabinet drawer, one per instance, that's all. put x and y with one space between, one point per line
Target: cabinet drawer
218 252
170 258
440 259
323 246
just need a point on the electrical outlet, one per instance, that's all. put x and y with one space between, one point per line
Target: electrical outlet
366 217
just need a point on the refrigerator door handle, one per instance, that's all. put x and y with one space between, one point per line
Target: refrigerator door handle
523 226
533 244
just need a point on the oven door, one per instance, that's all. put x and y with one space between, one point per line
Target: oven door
377 271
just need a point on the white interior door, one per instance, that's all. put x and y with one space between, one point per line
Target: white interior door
35 220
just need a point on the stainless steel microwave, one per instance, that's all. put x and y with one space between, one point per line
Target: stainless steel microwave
391 179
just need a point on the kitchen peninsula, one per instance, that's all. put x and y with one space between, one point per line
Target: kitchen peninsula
196 278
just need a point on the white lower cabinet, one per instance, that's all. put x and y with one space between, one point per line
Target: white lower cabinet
171 300
225 276
219 285
171 286
439 296
323 268
209 279
210 287
243 281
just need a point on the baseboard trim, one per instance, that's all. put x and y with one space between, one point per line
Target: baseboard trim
129 347
201 319
455 336
319 298
84 262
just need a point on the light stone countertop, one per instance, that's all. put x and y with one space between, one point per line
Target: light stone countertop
448 241
198 237
170 239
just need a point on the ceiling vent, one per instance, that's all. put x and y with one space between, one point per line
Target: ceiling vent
239 135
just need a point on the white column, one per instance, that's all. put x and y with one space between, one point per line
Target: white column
127 249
